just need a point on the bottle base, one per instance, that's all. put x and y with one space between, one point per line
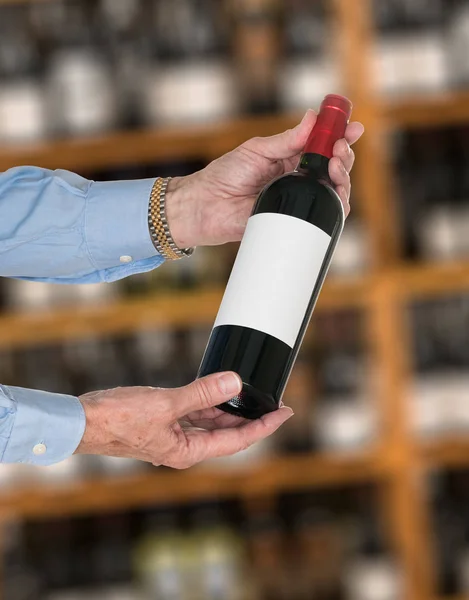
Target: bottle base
250 404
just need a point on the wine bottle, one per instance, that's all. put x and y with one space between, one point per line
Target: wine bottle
278 273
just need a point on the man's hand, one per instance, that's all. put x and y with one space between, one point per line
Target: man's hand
177 428
212 207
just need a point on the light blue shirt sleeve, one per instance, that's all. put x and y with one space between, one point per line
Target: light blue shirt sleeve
58 227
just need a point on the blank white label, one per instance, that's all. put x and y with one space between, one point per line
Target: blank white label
274 275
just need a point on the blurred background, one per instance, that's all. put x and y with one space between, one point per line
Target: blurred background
364 495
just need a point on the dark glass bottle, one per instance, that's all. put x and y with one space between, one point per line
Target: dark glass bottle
279 272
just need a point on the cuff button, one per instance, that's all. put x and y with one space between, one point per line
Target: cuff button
39 449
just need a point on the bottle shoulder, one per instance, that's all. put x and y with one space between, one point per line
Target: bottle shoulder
303 196
302 183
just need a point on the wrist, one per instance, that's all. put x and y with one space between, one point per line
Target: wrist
178 212
95 435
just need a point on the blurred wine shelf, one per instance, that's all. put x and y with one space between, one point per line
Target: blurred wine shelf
426 111
145 146
165 486
386 292
447 453
177 309
207 141
200 307
425 280
271 476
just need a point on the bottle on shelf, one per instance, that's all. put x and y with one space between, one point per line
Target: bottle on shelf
270 296
83 560
373 574
345 417
111 550
257 46
81 97
453 347
120 592
410 52
207 268
352 256
295 436
52 553
457 40
463 568
266 551
161 559
121 24
460 160
320 546
20 580
23 295
22 101
38 296
309 68
456 492
429 203
190 79
448 509
345 423
429 393
153 349
220 557
438 397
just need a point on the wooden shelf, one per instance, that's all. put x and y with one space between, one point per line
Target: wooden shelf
451 452
268 477
184 309
180 309
415 281
207 141
144 146
425 111
385 294
165 486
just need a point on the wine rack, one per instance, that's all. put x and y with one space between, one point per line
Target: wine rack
399 461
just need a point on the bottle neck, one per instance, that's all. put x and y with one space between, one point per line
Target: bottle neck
315 164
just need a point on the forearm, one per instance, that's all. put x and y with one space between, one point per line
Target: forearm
57 226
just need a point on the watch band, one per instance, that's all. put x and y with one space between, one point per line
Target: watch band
158 223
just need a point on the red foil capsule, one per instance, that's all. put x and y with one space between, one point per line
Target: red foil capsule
332 121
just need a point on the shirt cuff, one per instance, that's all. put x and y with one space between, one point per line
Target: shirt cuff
47 427
116 225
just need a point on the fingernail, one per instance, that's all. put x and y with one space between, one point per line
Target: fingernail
229 384
306 115
342 146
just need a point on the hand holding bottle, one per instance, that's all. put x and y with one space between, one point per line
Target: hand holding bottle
177 428
211 207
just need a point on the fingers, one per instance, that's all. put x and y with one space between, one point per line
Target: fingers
354 132
287 144
225 442
342 147
339 175
345 199
204 393
291 142
344 152
342 163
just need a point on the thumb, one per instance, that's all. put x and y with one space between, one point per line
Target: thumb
206 392
287 144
